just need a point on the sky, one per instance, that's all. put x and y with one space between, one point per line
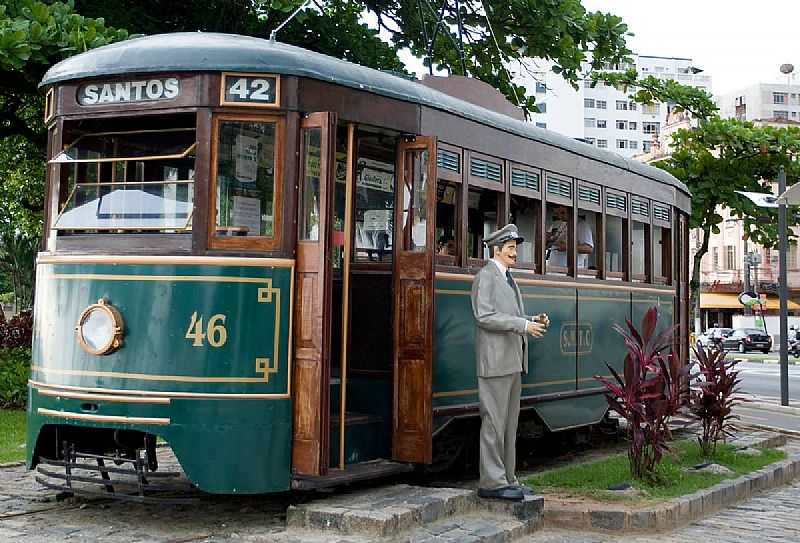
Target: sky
736 42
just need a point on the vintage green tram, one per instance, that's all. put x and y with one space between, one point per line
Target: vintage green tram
225 267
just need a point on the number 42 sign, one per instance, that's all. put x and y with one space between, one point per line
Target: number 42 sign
255 90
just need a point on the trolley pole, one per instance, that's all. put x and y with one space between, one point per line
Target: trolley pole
783 291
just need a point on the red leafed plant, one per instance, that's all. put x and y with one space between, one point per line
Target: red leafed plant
653 387
713 396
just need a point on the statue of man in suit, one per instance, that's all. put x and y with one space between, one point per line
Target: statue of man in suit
501 354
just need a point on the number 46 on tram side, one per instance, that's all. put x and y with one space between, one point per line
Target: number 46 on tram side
263 257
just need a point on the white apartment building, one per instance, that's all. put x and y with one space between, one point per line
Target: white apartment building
762 101
610 119
561 106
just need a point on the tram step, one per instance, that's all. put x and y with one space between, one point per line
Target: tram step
367 438
404 513
374 469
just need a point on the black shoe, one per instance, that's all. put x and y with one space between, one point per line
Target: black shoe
526 490
502 493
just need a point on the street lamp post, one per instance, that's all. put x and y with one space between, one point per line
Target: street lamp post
783 290
786 69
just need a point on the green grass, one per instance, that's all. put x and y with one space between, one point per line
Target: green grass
12 435
592 479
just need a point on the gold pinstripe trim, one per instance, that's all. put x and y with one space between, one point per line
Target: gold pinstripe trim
46 258
150 377
471 391
562 284
103 418
264 295
150 393
101 397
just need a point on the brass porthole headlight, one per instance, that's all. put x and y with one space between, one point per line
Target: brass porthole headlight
99 328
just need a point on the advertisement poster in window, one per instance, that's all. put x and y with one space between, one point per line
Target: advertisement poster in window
246 159
247 214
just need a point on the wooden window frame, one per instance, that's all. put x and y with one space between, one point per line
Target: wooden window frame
447 175
625 274
480 184
599 241
457 178
538 244
247 243
646 220
499 186
548 198
452 260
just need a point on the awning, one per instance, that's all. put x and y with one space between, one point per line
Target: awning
729 300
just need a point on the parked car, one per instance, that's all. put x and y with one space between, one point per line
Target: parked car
713 336
747 339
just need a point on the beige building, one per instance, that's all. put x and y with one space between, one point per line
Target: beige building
722 270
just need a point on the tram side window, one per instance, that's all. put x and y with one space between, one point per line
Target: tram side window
447 202
559 218
525 214
638 251
374 198
245 178
585 237
482 209
139 180
662 252
614 236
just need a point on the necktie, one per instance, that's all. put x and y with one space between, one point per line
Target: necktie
510 280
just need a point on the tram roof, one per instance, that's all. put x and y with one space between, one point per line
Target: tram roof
213 52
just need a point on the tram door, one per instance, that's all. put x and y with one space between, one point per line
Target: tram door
415 198
312 329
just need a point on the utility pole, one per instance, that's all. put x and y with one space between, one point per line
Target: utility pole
748 311
784 291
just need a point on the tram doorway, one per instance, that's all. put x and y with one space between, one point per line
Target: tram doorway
365 246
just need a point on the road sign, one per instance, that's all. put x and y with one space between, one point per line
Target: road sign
749 299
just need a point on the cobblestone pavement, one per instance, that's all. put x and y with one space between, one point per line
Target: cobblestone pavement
772 516
32 514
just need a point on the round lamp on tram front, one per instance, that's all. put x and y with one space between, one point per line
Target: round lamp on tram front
99 328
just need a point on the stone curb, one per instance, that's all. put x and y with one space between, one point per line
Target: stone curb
792 360
12 464
678 511
771 407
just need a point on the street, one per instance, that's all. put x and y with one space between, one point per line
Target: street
763 380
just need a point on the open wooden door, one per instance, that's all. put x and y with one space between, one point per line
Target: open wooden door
312 303
413 248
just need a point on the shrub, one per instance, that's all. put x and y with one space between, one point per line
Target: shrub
17 332
15 365
652 389
713 397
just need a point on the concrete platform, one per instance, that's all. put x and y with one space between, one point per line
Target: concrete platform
404 513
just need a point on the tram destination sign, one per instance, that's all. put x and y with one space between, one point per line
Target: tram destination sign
253 90
132 91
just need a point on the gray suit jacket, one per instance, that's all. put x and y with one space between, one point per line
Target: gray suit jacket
501 342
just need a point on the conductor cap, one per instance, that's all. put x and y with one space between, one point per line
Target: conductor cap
507 233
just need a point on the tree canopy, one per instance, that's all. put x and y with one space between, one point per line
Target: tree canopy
718 157
493 32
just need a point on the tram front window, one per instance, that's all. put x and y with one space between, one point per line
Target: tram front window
245 178
139 180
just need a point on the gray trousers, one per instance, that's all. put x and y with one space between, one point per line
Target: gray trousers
499 407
